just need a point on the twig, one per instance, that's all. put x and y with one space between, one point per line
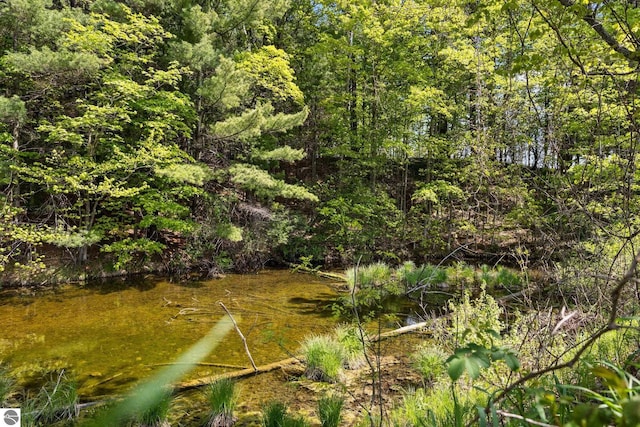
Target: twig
520 417
244 341
564 318
106 380
215 365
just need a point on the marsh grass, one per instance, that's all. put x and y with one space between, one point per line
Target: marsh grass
369 276
55 402
275 414
222 398
424 276
411 411
508 278
349 337
324 356
429 360
461 274
7 386
157 414
330 410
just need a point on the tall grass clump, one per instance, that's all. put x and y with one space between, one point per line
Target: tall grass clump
508 278
498 277
222 398
441 405
354 342
461 274
369 276
412 410
7 386
330 410
56 401
157 414
275 414
424 276
430 360
370 284
324 356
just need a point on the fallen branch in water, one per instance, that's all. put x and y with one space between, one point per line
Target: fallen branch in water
215 365
199 382
400 331
244 341
325 274
290 362
106 380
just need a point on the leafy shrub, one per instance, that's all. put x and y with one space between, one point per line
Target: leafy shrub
475 321
614 399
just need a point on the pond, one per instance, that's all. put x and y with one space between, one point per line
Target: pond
111 334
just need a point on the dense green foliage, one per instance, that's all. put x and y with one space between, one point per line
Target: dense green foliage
183 135
193 135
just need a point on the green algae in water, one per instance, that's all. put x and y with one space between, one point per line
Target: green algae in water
111 335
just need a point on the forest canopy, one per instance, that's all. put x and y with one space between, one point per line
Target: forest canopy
184 135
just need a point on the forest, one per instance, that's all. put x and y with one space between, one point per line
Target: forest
195 138
210 136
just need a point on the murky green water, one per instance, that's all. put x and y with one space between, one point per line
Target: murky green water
110 335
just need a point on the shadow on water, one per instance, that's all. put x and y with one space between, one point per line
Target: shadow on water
321 305
141 283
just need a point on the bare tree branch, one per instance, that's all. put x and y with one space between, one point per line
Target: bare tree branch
610 326
591 19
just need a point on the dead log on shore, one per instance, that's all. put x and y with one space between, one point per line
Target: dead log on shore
199 382
325 274
400 331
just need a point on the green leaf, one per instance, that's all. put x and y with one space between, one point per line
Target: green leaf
631 411
456 368
468 359
512 361
482 416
